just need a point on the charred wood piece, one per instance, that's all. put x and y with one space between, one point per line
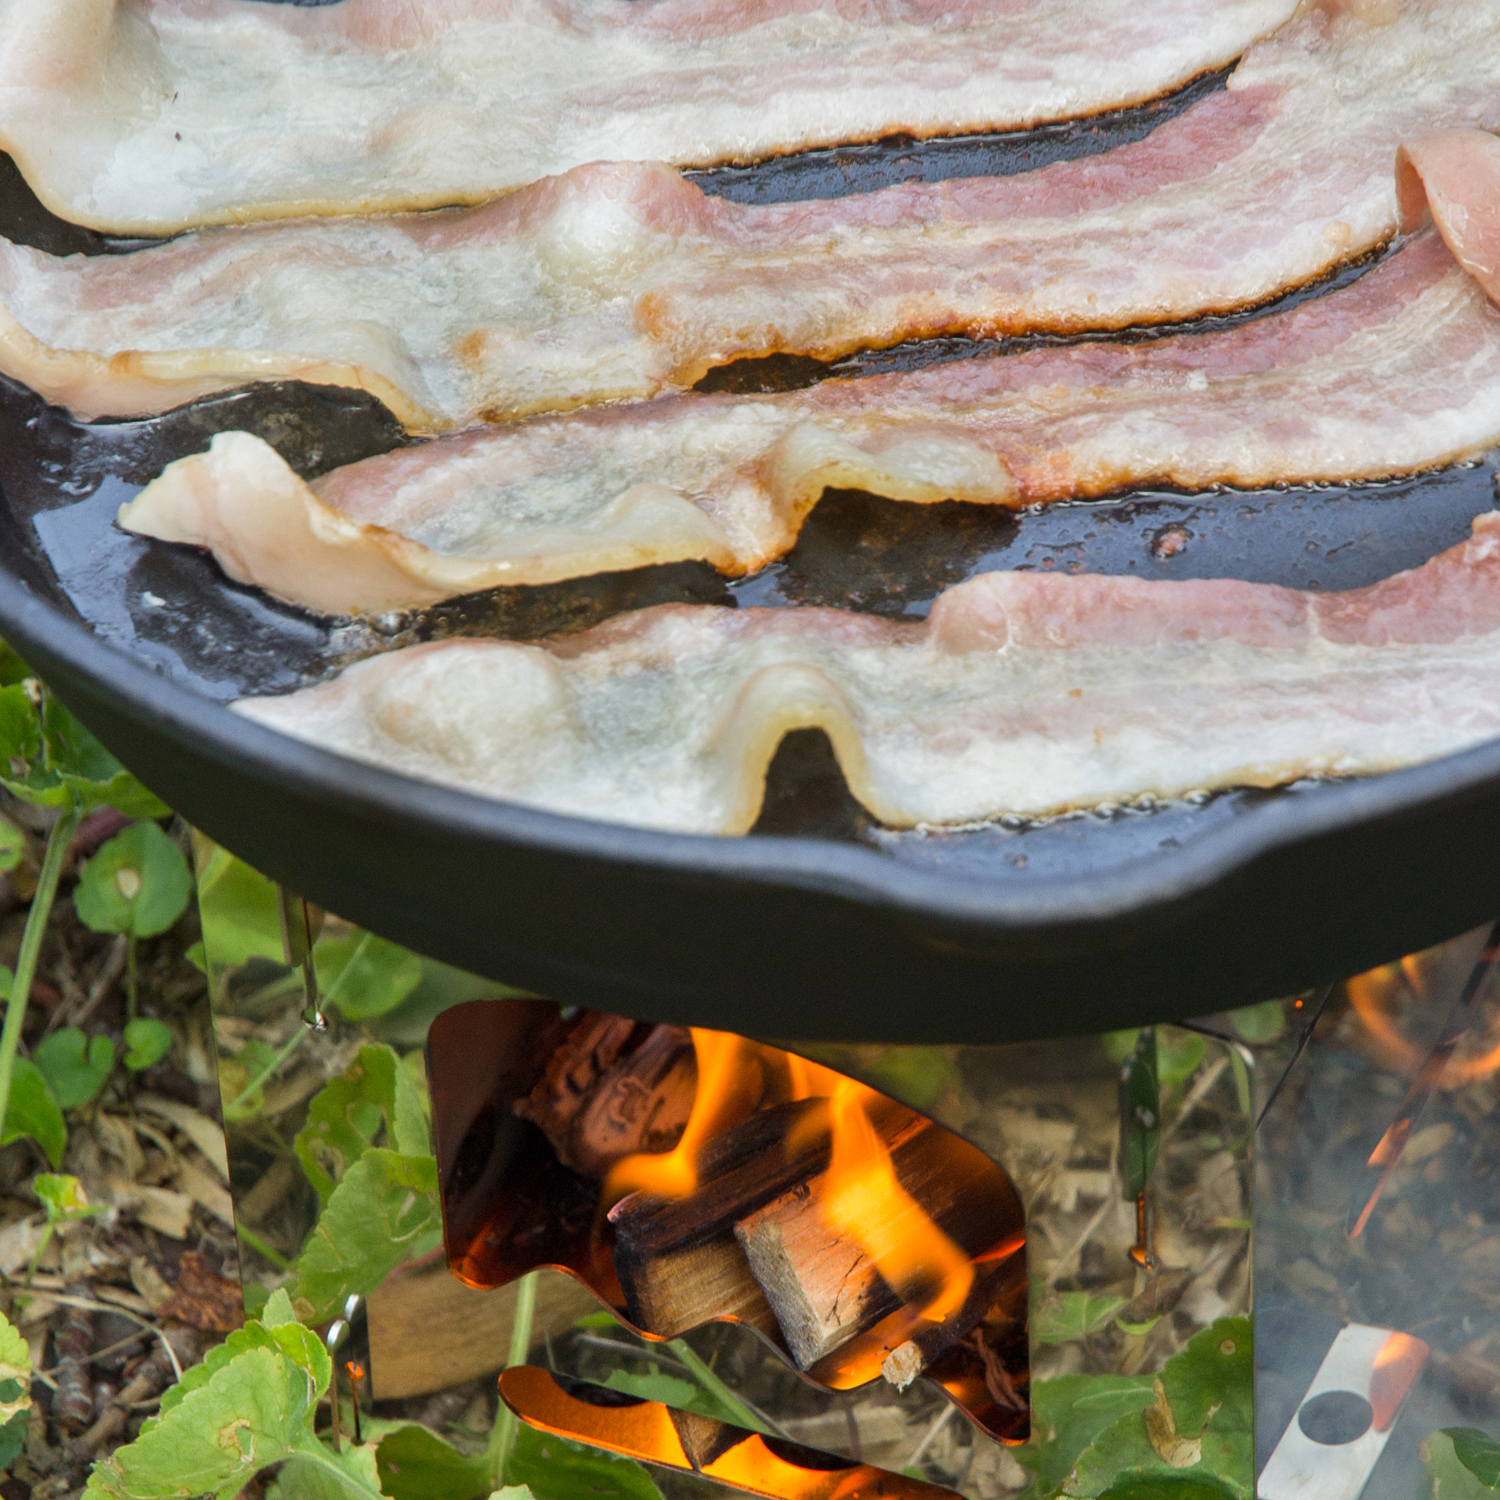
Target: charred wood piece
613 1088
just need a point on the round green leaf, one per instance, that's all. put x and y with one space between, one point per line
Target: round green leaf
74 1064
146 1043
137 883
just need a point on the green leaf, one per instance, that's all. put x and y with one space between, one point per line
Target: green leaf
416 1464
15 1390
915 1075
1168 1486
240 916
33 1111
303 1479
63 1198
87 770
383 1212
345 1117
1070 1411
1140 1113
1073 1315
336 1476
555 1469
1179 1055
253 1408
146 1043
278 1311
667 1389
1478 1452
1258 1024
1204 1404
363 976
599 1319
12 845
12 1440
137 883
12 668
52 759
77 1066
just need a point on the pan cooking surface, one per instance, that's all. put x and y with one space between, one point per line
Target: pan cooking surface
171 608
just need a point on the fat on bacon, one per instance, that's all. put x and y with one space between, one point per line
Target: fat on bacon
621 280
1027 693
150 116
1398 372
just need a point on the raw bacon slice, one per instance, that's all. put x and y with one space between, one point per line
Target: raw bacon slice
148 116
1453 179
1397 372
619 281
1024 693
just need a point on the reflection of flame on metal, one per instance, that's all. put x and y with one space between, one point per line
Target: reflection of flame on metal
1432 1071
1378 994
1332 1445
732 1456
933 1226
864 1201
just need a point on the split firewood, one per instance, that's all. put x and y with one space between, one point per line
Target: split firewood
614 1088
822 1286
907 1360
677 1260
703 1439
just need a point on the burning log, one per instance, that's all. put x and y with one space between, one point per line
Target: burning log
614 1088
678 1261
908 1360
820 1281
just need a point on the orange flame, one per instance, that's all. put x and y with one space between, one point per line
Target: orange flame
729 1086
1371 993
863 1201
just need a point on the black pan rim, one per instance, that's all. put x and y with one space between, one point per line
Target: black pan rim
859 874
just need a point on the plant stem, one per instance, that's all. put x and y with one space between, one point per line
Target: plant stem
130 989
503 1434
260 1247
39 1252
288 1047
31 947
743 1415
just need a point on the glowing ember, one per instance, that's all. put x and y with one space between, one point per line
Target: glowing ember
864 1201
729 1088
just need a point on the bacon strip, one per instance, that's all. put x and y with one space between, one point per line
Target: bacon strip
620 281
1024 693
149 116
1397 372
1453 179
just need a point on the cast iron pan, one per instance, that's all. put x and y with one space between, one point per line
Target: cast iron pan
820 924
